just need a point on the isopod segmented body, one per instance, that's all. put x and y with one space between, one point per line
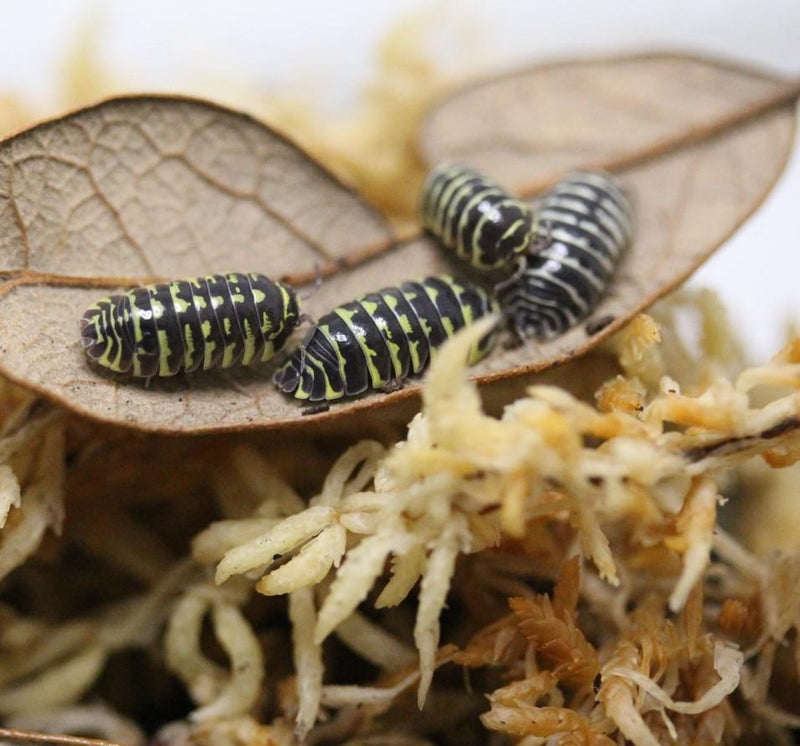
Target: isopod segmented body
216 321
382 338
584 226
475 217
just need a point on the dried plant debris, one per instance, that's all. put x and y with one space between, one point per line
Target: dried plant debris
595 599
146 188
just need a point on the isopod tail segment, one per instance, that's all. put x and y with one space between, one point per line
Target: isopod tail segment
382 338
215 321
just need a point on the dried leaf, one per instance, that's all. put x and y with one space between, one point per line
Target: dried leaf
697 143
146 188
166 187
613 112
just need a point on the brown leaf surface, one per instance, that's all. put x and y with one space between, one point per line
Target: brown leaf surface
530 127
145 187
160 187
698 144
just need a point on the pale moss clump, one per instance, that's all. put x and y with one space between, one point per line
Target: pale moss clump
659 626
650 456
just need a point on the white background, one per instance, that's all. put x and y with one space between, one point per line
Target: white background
193 46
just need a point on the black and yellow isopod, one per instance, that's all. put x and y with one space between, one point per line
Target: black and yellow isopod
473 216
585 227
381 338
214 321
